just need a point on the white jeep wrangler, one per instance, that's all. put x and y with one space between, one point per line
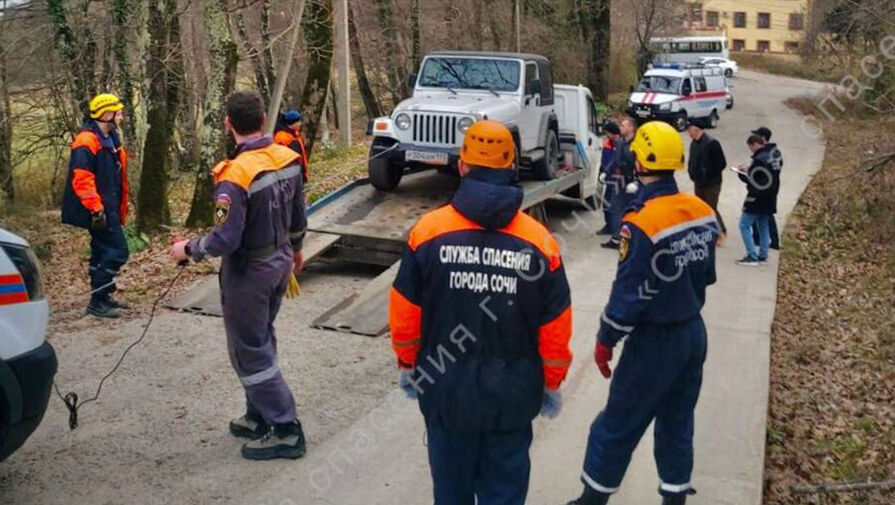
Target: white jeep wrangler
455 89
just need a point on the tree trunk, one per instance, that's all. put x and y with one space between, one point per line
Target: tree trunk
494 25
415 50
318 30
394 69
175 91
122 16
68 49
152 199
6 182
212 138
253 54
267 45
371 104
599 34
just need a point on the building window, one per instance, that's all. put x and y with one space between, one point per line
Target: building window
791 47
764 19
763 46
739 45
711 18
795 21
739 19
696 13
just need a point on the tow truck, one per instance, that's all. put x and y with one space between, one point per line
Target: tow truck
360 223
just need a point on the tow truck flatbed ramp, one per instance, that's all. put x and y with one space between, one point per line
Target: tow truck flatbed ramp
359 223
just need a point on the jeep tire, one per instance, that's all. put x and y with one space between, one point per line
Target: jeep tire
545 168
384 174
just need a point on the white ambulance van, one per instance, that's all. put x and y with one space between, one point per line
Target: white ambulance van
675 92
27 361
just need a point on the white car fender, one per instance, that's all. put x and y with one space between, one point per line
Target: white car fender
384 127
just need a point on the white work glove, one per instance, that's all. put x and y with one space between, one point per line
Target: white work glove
632 188
603 177
405 382
551 403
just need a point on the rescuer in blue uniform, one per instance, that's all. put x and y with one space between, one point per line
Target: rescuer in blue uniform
666 260
259 221
480 317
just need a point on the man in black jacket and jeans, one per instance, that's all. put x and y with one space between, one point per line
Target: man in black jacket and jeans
706 167
762 180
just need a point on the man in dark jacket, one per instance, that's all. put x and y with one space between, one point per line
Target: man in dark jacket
259 224
621 178
96 197
763 181
607 158
480 317
706 167
777 159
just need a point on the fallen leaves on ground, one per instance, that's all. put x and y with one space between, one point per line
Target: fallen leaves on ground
832 397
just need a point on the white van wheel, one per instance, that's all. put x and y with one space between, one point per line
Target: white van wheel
713 119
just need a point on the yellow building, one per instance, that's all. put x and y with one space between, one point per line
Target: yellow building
775 26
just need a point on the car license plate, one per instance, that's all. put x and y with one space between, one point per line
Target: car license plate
427 157
642 112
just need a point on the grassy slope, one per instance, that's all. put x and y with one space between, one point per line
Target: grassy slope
832 399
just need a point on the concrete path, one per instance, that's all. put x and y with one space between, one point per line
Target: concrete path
382 458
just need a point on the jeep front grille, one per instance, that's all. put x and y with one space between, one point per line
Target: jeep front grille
435 129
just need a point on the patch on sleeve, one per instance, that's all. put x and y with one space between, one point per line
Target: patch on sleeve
221 208
624 237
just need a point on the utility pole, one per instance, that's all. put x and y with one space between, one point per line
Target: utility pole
518 17
342 60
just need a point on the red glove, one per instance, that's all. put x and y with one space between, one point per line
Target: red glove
602 356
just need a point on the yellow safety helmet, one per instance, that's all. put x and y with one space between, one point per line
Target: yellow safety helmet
658 146
488 144
104 102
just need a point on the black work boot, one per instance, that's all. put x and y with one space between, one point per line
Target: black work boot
118 304
676 498
611 244
591 496
100 307
250 427
285 441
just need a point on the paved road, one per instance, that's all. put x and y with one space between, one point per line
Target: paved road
159 435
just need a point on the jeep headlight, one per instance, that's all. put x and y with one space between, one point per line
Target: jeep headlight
463 124
665 106
402 121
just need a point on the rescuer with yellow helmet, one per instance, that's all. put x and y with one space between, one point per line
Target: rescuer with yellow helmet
96 198
666 260
482 291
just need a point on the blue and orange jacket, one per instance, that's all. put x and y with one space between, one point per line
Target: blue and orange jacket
259 206
666 260
481 309
288 137
97 177
607 156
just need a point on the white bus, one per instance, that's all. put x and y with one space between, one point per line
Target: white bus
688 49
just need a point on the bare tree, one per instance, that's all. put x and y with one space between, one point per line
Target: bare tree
650 18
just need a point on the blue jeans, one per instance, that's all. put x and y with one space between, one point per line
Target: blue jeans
761 222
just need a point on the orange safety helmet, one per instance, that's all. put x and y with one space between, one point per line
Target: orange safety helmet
488 144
